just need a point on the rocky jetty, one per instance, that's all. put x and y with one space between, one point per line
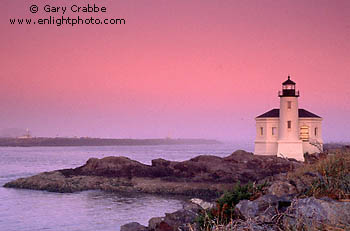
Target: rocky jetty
203 176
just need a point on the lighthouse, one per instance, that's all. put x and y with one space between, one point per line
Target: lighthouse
288 131
289 144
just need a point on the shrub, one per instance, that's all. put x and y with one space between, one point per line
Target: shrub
225 205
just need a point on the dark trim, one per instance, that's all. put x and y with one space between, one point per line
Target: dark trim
288 82
275 113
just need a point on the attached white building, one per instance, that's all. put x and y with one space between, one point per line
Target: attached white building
288 131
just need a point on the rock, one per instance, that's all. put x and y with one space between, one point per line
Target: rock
114 167
250 225
248 209
154 222
133 226
317 214
262 209
160 162
255 168
203 176
192 207
163 226
282 188
252 209
203 204
179 220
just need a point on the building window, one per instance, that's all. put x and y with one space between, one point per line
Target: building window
316 132
261 131
289 104
289 124
274 131
304 133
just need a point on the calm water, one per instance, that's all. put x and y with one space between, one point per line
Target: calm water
90 210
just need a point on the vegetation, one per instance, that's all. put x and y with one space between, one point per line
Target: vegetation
330 176
225 212
333 177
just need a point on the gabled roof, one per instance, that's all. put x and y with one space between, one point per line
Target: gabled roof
276 113
272 113
307 114
288 82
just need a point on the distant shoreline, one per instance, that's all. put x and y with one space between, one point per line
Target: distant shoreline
61 142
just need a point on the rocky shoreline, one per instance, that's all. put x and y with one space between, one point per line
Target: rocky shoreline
203 176
315 196
267 213
297 196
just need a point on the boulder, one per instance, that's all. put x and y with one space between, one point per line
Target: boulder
154 222
181 218
262 209
317 214
203 204
282 188
133 226
178 220
264 205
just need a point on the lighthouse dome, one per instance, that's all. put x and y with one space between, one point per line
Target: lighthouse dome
288 82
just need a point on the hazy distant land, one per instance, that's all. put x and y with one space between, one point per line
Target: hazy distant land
60 141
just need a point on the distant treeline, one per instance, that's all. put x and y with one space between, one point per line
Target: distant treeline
58 141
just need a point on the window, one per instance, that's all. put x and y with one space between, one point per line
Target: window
261 131
304 133
274 131
289 104
316 131
289 124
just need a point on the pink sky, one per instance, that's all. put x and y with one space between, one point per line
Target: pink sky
184 68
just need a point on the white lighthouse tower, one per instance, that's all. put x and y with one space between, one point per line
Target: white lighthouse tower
289 144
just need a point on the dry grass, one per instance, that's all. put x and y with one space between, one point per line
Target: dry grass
327 177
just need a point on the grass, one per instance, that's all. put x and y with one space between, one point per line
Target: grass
330 176
335 177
